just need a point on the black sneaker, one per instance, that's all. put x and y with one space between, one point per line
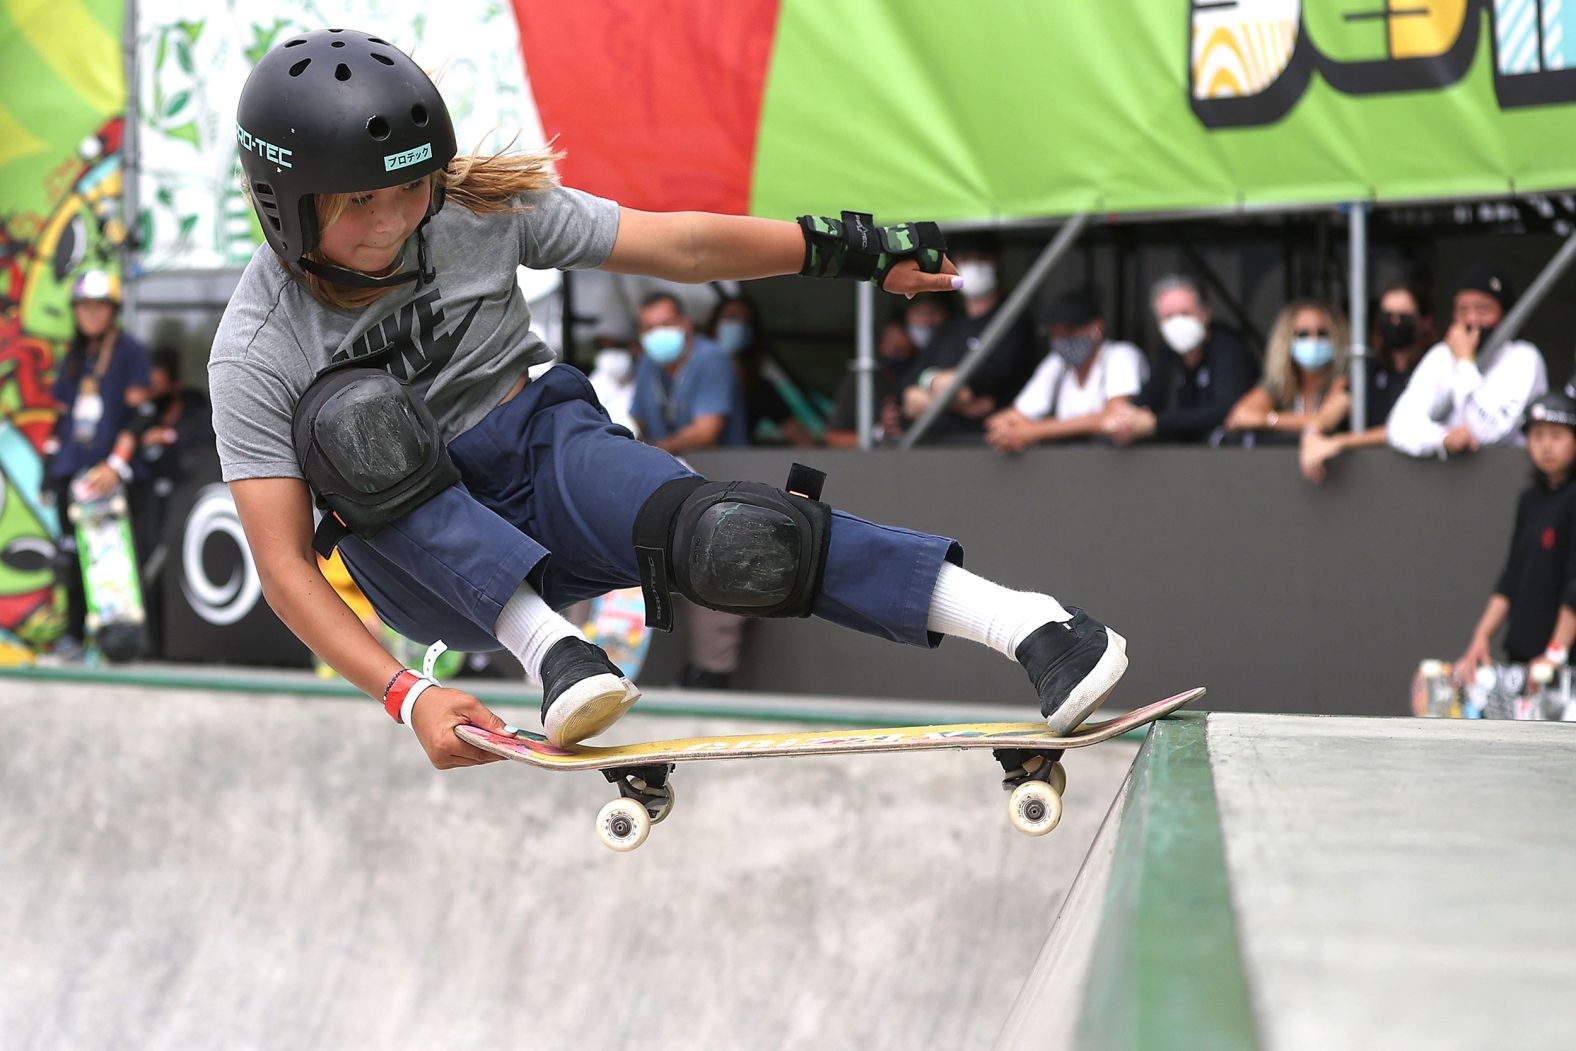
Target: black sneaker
1074 665
583 693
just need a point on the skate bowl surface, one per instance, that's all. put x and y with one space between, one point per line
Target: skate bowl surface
222 869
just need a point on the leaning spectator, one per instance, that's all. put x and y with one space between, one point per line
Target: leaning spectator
1403 329
900 338
102 381
687 398
686 394
1082 377
1002 374
1304 365
1458 400
174 431
779 409
1194 383
1535 597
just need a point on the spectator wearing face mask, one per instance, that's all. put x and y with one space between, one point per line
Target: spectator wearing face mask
779 408
998 379
896 345
1082 377
1304 366
1459 400
686 394
1403 330
613 378
1205 368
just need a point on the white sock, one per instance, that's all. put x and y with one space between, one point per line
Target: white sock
528 628
971 607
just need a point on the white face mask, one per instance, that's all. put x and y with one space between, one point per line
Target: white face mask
1182 332
614 362
979 277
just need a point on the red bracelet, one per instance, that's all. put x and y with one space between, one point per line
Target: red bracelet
394 696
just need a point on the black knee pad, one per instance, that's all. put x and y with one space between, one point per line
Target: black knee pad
739 547
370 449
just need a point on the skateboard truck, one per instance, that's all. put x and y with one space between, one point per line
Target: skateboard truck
645 799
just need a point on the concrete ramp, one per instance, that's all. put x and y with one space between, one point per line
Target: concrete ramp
1296 882
185 869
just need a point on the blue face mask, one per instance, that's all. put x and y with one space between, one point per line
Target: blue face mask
733 335
1316 353
663 345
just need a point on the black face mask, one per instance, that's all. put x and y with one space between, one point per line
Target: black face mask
1397 331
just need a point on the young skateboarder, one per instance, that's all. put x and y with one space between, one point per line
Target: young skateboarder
375 356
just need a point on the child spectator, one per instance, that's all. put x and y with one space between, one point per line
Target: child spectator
1535 597
1304 365
1083 375
1196 382
895 347
1458 400
1403 330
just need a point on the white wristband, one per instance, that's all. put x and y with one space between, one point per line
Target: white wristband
120 467
1557 654
410 698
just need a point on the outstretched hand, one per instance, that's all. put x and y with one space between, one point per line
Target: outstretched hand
437 712
908 279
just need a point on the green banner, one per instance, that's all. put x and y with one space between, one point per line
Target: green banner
1003 109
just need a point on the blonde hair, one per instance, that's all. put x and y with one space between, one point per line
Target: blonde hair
481 183
1281 372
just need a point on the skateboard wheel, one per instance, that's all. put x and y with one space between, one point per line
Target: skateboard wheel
1035 807
1058 778
623 825
660 806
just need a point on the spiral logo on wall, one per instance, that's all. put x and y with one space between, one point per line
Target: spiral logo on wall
213 517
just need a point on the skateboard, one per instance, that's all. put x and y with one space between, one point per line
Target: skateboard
110 584
1029 752
1498 691
617 623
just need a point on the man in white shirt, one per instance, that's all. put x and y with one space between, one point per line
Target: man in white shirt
1458 401
1083 375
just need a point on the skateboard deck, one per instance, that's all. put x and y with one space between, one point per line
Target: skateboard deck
647 764
617 623
110 583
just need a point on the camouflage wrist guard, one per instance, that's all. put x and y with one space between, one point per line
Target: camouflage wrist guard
854 247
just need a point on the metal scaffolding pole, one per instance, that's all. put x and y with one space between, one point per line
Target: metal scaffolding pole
130 165
1006 316
865 361
1510 326
1357 312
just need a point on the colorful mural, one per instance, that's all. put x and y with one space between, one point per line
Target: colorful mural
62 98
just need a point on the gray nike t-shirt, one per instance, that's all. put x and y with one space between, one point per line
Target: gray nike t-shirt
460 341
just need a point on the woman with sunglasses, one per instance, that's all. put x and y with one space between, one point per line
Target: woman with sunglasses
1304 366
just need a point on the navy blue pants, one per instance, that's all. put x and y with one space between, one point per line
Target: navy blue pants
549 492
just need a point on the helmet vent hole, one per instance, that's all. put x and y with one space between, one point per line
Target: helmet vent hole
295 43
379 40
300 67
383 59
263 188
337 43
341 72
277 225
379 128
336 30
418 113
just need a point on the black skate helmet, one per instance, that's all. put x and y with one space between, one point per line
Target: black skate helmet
336 111
1554 407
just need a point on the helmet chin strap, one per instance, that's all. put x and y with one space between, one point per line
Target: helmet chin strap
355 279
